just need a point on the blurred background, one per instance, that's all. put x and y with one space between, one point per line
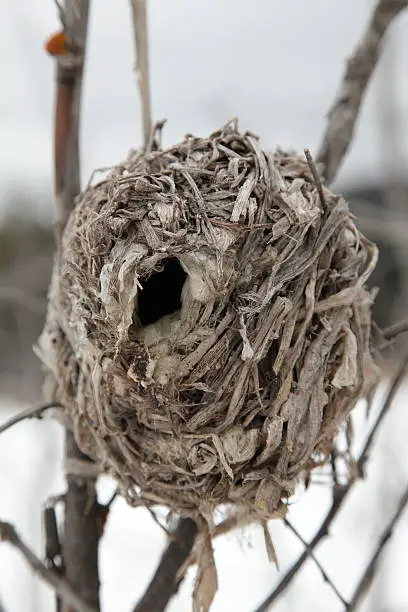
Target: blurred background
276 65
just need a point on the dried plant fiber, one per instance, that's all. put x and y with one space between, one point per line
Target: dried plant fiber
208 328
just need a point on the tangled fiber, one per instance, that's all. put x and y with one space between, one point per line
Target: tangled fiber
208 328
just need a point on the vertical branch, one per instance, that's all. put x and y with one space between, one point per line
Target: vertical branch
345 110
81 535
80 540
70 61
165 582
139 16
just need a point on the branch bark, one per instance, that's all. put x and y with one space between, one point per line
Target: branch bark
81 535
345 110
165 582
70 64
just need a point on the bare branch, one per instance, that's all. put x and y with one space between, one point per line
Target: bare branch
74 17
395 330
81 534
81 531
340 493
67 594
369 574
387 403
165 582
29 413
344 112
139 15
323 572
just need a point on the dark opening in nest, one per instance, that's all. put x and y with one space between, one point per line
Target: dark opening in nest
161 293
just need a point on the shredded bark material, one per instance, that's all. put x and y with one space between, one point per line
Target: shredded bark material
231 394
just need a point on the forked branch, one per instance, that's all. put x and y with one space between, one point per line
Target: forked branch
60 586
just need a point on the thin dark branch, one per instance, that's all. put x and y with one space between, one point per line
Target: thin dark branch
340 493
360 66
395 330
60 586
387 403
158 523
29 413
369 574
323 572
165 582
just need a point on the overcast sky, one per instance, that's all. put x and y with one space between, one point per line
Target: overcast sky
273 63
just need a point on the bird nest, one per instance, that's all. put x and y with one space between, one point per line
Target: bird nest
208 328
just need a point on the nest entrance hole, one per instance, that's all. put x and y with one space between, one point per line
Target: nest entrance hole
161 293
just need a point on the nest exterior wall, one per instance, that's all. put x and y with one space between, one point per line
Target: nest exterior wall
233 396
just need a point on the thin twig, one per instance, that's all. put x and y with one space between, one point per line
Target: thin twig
323 572
165 582
139 15
316 177
340 493
345 110
158 523
29 413
395 330
64 590
387 403
369 574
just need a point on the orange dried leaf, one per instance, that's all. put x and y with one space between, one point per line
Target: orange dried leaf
57 44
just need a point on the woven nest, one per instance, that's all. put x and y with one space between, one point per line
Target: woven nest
211 329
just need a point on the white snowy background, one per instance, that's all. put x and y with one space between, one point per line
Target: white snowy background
276 65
